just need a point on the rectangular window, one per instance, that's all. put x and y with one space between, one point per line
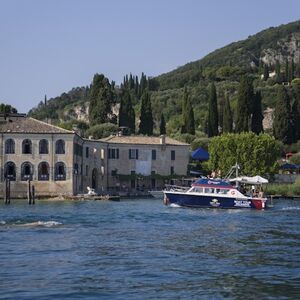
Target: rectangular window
172 170
87 152
86 170
153 154
133 154
172 154
113 153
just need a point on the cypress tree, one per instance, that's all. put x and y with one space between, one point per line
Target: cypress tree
295 121
212 112
101 99
227 116
287 70
126 112
257 115
162 125
282 117
187 114
146 118
266 72
291 71
244 104
278 77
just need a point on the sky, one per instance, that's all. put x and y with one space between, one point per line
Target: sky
47 47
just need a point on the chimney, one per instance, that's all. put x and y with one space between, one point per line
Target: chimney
162 139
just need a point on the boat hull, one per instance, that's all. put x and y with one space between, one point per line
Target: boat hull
206 201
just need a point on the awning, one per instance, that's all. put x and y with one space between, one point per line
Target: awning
200 154
250 180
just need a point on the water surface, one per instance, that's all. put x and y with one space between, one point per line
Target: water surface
141 249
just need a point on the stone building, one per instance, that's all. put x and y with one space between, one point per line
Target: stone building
144 163
59 161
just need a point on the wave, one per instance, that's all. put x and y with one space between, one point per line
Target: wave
291 208
31 224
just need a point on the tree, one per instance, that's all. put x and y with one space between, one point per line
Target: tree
212 112
255 154
227 116
146 119
291 71
187 114
278 77
244 104
266 72
101 99
295 114
282 117
102 130
162 125
126 111
7 109
257 115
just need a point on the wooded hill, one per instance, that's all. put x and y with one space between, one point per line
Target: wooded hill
256 57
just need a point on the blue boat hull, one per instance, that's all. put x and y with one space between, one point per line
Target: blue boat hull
203 201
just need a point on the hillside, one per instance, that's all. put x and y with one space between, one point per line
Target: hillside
223 66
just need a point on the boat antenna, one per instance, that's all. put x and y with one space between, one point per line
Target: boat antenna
235 168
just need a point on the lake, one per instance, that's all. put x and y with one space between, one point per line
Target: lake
141 249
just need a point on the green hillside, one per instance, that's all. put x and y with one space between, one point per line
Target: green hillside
276 47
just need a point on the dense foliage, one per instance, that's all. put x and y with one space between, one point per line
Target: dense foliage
239 73
7 109
255 154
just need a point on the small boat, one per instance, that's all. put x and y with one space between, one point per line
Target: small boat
213 193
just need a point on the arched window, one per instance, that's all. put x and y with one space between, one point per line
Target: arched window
43 171
10 171
60 147
26 171
60 171
9 146
43 147
27 147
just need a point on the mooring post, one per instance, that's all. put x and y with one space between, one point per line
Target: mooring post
5 191
29 192
8 184
33 194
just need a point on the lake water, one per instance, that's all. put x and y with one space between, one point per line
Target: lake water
141 249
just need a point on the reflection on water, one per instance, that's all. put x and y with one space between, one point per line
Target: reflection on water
142 249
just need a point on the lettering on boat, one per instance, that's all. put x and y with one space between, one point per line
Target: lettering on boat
214 203
242 203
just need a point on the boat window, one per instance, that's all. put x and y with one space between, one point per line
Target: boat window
225 192
199 190
207 190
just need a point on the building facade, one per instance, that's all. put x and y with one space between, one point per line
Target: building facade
59 161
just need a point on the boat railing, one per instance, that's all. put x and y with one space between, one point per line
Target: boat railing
176 188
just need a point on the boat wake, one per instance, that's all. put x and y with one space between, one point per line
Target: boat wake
32 224
174 205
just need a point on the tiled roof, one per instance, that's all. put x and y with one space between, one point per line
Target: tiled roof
142 140
24 124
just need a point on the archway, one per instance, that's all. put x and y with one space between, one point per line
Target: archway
94 178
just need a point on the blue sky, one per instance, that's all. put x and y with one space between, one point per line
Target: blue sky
49 46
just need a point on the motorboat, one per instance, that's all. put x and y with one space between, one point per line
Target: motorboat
216 193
